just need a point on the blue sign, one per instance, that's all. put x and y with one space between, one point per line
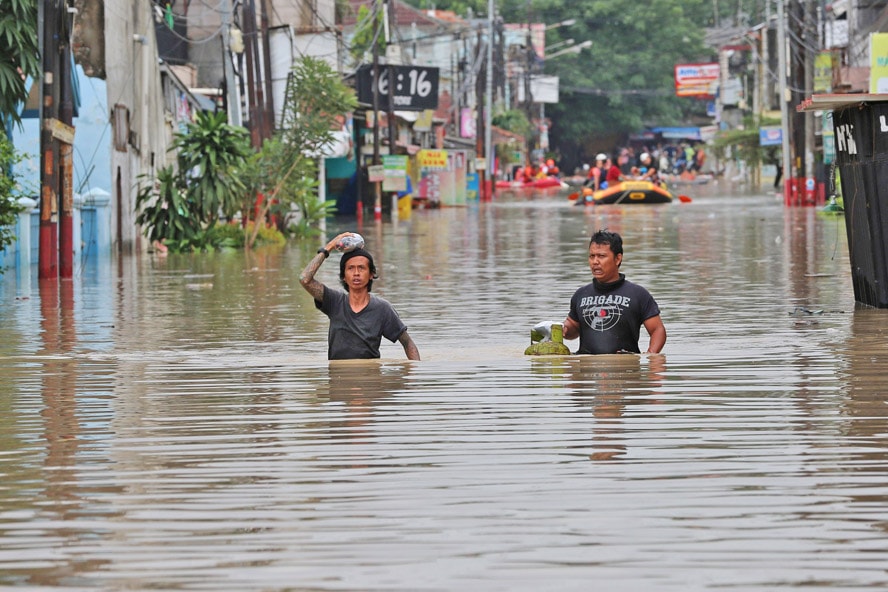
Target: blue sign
770 136
472 186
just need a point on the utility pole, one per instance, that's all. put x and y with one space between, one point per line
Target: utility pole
389 20
231 95
66 154
488 105
784 106
49 146
268 102
481 122
377 202
809 37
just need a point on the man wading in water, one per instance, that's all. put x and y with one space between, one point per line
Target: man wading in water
358 319
607 315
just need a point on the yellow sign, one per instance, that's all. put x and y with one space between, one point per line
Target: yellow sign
432 159
823 69
879 63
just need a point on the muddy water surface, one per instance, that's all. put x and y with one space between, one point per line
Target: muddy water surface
173 424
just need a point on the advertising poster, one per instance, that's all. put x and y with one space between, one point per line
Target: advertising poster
436 180
879 63
698 81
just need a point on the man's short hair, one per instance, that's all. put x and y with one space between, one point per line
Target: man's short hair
611 239
357 253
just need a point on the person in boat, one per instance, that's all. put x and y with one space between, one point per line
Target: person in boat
607 315
358 319
647 170
614 173
596 178
551 169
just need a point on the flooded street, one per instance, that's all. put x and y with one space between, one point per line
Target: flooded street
173 423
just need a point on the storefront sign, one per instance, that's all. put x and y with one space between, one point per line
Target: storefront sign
432 159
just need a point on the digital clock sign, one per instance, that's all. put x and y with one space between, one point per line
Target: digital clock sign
415 87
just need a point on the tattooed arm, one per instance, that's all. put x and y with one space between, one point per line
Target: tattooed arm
307 279
409 347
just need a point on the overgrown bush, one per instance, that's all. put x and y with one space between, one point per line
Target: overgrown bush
9 206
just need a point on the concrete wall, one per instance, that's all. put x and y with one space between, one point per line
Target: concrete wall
140 130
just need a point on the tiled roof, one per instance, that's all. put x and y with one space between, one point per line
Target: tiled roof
405 15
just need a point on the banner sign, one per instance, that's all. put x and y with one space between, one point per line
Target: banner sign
416 87
696 80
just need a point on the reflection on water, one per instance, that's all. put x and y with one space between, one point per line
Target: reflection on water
173 423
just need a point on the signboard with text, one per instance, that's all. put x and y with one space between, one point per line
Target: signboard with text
395 172
699 81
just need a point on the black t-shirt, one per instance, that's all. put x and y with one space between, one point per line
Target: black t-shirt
611 315
357 335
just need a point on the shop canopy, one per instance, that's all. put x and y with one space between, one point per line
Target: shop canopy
679 133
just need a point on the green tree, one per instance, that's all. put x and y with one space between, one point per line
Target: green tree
513 120
368 29
313 109
625 81
182 204
743 144
19 54
212 153
9 206
165 211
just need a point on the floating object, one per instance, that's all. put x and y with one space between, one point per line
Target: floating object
546 339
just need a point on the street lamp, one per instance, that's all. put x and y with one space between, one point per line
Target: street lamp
575 49
564 43
564 23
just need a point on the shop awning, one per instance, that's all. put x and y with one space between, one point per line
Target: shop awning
679 133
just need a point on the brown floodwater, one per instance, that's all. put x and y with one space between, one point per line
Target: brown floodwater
173 423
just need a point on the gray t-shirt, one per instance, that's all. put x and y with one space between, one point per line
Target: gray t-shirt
357 335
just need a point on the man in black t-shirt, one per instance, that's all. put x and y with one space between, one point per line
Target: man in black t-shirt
607 315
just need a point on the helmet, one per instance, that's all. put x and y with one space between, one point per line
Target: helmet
601 156
645 156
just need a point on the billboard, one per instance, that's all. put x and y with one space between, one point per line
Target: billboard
699 81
